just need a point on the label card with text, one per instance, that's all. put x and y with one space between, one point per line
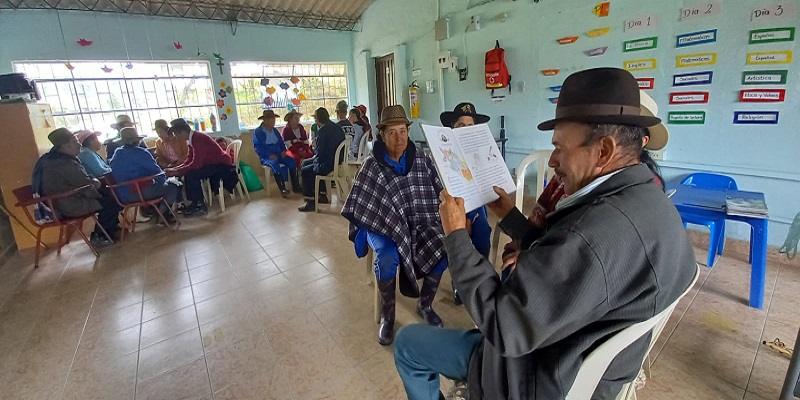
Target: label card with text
687 117
650 21
695 78
688 98
755 117
696 38
775 11
646 83
776 77
640 44
759 36
769 57
700 9
762 95
638 65
694 60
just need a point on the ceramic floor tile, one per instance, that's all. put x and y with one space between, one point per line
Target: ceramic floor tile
198 260
286 247
250 358
214 287
114 380
256 272
105 317
166 302
226 331
188 382
674 379
380 371
169 282
224 305
169 354
210 271
244 258
168 325
306 273
97 348
769 372
293 260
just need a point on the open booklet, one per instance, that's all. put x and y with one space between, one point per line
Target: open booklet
469 163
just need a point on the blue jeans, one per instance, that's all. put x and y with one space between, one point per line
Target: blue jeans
281 166
422 352
387 259
481 231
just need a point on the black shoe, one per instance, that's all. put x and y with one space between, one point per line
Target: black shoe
323 199
196 211
285 193
308 207
180 208
100 240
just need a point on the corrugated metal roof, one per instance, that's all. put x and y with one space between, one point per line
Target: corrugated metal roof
316 14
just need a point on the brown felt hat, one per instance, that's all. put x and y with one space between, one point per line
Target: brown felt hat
291 115
129 136
393 115
60 136
600 96
268 114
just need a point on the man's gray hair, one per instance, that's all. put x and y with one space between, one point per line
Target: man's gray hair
628 137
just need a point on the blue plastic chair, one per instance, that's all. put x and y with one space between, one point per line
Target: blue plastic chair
716 226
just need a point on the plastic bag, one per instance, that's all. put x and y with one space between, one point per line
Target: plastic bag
251 180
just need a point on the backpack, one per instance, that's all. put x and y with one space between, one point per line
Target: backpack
497 76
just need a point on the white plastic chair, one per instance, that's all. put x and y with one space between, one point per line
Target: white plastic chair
596 363
268 176
338 176
236 146
354 165
540 158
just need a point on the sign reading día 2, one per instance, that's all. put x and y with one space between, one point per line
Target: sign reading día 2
695 38
755 117
700 9
769 57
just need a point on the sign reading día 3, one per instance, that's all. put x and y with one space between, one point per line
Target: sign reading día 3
769 57
776 77
755 117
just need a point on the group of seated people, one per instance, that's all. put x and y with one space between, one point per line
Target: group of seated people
180 152
604 248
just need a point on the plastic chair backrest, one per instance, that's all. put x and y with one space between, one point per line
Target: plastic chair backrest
236 145
362 148
596 363
541 158
341 155
710 181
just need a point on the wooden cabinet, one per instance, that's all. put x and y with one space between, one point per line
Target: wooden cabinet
23 138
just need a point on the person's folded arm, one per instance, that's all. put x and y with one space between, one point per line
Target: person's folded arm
519 228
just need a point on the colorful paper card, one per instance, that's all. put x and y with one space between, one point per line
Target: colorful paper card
567 40
555 88
694 60
596 51
650 21
776 77
688 98
598 32
640 44
687 117
550 72
646 83
755 117
762 95
696 38
758 36
553 100
783 10
638 65
602 9
769 57
701 9
695 78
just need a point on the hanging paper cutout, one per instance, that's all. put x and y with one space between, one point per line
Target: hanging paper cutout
555 88
269 101
229 111
567 40
264 82
550 72
553 100
229 89
218 56
694 60
598 32
646 83
223 117
688 98
220 103
271 90
69 66
296 90
222 93
84 43
284 85
686 117
177 45
223 84
772 35
129 65
596 52
696 38
302 97
769 57
602 9
106 69
693 79
295 80
296 102
637 65
289 107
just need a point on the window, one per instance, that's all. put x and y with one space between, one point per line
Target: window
322 85
87 97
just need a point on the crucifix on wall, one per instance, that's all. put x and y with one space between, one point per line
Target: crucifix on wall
220 64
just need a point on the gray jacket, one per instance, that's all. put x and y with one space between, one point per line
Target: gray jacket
61 173
618 256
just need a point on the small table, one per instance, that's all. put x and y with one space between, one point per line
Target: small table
695 200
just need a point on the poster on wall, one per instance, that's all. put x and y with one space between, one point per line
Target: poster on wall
758 36
755 117
640 44
695 78
700 9
688 98
599 51
646 22
695 60
646 83
784 10
639 65
686 117
762 95
774 77
696 38
769 57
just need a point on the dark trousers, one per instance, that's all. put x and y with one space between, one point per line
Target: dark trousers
166 190
108 216
309 174
215 173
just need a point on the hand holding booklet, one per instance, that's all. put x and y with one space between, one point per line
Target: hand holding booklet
469 163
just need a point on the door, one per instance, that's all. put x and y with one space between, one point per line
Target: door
385 82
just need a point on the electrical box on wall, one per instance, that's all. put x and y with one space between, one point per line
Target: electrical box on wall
443 60
475 23
656 154
442 29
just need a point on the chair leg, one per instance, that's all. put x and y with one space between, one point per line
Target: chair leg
267 175
38 248
713 240
243 188
163 217
89 242
60 238
316 194
221 198
721 244
68 235
97 222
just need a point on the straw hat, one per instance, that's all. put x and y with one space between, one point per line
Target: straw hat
659 135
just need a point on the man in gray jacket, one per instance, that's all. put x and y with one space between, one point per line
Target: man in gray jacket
613 253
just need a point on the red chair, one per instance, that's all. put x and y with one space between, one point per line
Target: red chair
26 201
135 188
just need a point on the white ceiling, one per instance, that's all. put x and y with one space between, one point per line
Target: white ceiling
315 14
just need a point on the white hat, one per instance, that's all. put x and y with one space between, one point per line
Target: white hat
659 135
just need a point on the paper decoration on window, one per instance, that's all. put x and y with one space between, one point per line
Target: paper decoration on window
229 89
696 38
284 85
220 103
553 100
755 117
777 11
271 90
218 56
688 98
264 82
550 72
769 57
701 9
289 107
269 101
84 43
599 51
223 117
295 80
762 95
640 44
695 78
223 84
567 40
646 83
649 21
695 60
177 45
687 117
777 77
638 65
69 66
106 69
222 93
296 102
758 36
229 110
555 88
302 97
602 9
598 32
296 90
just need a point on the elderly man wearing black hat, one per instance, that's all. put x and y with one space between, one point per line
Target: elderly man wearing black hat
329 137
59 171
613 253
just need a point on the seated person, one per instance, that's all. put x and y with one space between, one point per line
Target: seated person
94 164
271 149
206 160
329 137
170 151
392 208
59 171
123 121
132 162
365 118
295 138
359 128
613 253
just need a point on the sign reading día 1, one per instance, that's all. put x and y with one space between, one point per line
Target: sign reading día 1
650 21
782 10
701 9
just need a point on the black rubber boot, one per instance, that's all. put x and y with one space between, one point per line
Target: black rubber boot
387 293
295 182
429 286
281 184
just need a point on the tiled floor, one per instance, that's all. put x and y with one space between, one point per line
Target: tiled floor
263 302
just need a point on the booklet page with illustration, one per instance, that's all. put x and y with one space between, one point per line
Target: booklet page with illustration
469 163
